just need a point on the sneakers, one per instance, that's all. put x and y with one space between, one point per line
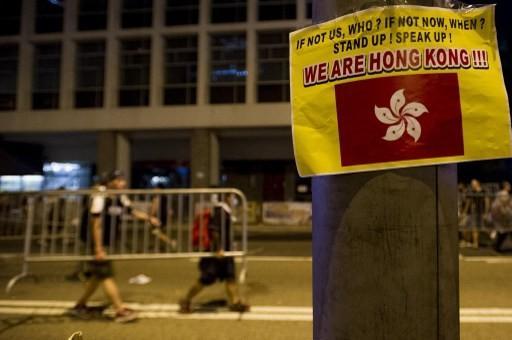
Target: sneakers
185 307
80 312
125 315
86 313
239 307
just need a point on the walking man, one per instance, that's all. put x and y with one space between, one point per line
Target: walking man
106 212
218 267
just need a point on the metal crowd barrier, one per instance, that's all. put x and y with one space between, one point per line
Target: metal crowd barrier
12 216
57 225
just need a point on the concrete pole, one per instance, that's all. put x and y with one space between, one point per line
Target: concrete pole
25 57
106 152
67 75
385 246
114 153
123 156
204 158
112 55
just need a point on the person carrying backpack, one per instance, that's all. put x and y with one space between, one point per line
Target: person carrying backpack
211 232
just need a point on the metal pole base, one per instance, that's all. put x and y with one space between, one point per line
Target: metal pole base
14 280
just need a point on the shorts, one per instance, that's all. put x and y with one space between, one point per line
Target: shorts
100 270
216 269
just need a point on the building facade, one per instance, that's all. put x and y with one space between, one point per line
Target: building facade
173 92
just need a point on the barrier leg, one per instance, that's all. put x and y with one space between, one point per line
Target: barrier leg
26 249
242 279
24 273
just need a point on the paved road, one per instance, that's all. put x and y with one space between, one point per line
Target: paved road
271 284
279 288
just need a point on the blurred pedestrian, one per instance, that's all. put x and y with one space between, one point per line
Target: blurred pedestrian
100 270
56 211
81 223
477 207
160 209
214 236
506 186
55 219
461 215
501 212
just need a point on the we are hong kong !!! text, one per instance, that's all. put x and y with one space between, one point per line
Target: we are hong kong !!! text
394 61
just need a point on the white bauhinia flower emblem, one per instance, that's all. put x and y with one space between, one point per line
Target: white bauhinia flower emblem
401 117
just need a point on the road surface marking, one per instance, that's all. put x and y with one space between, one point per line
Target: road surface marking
279 258
487 259
486 311
486 319
257 313
145 307
270 259
150 311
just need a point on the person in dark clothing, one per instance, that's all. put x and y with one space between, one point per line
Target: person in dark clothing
501 212
477 207
105 214
160 209
219 267
82 223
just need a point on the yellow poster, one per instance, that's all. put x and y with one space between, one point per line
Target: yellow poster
398 86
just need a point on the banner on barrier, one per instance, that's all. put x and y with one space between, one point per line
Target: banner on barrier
398 86
286 213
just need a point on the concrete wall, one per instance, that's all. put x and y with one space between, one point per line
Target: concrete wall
154 116
161 149
254 148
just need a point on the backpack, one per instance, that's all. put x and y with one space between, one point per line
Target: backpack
201 230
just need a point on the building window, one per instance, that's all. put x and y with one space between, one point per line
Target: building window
49 16
137 13
228 11
134 73
21 183
273 67
182 12
309 9
228 71
90 74
74 175
46 85
180 70
8 76
10 18
92 15
276 10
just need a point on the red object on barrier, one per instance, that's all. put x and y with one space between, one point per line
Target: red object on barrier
200 232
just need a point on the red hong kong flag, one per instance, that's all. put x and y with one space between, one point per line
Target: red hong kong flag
399 118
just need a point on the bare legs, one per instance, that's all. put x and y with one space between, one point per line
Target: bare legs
90 288
475 238
193 291
110 288
231 292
